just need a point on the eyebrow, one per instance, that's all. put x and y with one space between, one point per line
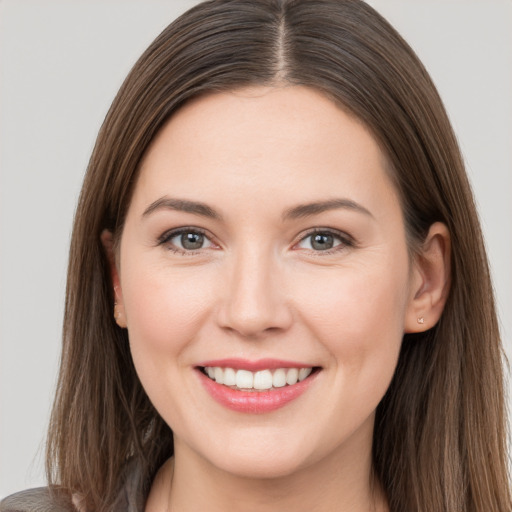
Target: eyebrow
297 212
309 209
182 205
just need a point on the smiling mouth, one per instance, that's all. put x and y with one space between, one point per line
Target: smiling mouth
262 380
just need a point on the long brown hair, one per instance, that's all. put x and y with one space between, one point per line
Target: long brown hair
440 431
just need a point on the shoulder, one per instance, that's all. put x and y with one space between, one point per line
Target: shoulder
40 499
130 498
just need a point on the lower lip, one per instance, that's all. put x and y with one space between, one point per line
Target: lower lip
255 402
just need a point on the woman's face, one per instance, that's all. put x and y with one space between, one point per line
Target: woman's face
265 243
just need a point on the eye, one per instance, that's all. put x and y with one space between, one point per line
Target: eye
185 240
324 241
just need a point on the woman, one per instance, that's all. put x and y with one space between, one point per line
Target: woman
278 296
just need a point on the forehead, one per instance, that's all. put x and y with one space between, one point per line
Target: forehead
260 140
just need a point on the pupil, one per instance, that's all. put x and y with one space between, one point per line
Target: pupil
322 242
192 241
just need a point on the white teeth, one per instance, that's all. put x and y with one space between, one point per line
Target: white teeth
263 380
292 376
244 379
279 378
219 375
229 377
304 372
260 380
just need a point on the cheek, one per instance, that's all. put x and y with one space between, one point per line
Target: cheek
358 315
163 310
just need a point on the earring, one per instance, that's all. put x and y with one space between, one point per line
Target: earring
118 316
117 313
421 320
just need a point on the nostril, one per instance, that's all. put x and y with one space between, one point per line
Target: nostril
254 321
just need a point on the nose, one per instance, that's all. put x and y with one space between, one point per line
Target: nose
255 303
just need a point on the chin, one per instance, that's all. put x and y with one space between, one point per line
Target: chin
260 462
262 470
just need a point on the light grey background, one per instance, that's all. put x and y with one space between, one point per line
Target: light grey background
61 62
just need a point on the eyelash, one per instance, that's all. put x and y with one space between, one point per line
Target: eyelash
165 239
345 240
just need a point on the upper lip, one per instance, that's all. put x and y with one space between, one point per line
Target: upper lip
253 366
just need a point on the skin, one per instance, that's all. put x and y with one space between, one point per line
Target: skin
258 288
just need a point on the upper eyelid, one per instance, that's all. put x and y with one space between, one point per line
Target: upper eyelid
165 238
331 231
171 233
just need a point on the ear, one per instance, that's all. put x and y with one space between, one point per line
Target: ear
107 240
430 280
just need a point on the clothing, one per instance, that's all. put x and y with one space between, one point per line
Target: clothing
129 499
37 500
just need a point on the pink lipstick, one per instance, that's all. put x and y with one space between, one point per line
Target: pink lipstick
255 386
